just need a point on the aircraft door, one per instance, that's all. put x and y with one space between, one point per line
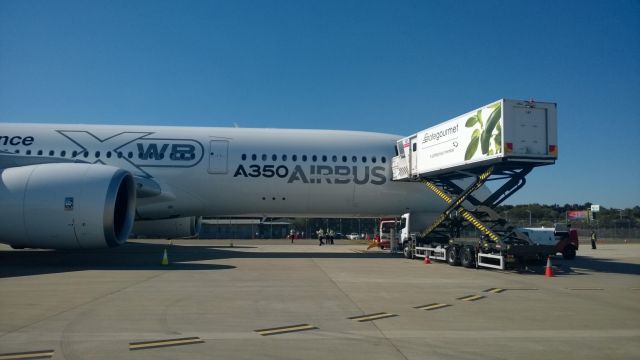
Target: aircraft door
218 154
414 156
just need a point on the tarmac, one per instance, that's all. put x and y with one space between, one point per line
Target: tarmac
270 299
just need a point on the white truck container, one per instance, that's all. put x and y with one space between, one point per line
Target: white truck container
506 131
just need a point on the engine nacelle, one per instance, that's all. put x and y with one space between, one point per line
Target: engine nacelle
66 206
169 228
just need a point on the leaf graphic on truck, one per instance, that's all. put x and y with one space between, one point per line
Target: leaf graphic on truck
488 135
473 144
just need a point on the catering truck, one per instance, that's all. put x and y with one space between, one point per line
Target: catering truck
502 141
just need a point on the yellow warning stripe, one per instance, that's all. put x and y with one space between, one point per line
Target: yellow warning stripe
495 290
586 289
511 289
164 343
479 225
437 190
40 354
433 306
467 215
371 317
471 298
285 329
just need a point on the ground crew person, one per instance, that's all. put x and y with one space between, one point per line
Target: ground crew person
594 239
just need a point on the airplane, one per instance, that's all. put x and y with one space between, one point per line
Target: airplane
66 186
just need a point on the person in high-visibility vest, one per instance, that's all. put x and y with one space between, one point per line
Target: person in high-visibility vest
594 239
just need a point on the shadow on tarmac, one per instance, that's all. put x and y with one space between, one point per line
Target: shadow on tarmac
580 264
132 256
142 256
148 256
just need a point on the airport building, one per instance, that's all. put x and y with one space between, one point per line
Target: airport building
244 229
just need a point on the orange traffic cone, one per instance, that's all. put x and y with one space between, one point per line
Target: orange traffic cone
548 271
427 261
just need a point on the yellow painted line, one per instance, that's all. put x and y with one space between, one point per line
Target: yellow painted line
471 298
433 306
40 354
495 290
164 343
586 289
285 329
511 289
371 317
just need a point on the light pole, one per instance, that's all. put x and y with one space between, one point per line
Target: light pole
529 211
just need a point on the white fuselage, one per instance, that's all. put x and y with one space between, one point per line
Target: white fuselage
233 171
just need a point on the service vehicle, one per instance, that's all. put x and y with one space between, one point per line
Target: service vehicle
502 142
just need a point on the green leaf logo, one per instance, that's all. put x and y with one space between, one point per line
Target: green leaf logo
485 138
473 145
471 121
483 134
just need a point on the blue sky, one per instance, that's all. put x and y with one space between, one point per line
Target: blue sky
384 66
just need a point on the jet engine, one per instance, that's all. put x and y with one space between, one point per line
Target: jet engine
175 228
66 206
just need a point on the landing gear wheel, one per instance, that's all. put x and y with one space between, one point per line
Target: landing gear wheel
569 252
452 256
467 258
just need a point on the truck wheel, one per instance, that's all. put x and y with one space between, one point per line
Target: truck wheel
467 258
452 256
407 252
569 252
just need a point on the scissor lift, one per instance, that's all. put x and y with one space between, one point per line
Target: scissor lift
498 244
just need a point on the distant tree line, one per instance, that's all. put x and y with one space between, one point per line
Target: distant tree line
541 214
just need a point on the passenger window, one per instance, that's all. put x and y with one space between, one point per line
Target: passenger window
324 158
344 158
373 159
39 152
74 153
244 157
51 152
119 154
364 159
294 157
274 157
264 157
383 159
86 154
284 157
63 153
415 147
129 155
254 157
354 159
17 151
28 152
314 158
334 158
97 154
108 154
304 158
